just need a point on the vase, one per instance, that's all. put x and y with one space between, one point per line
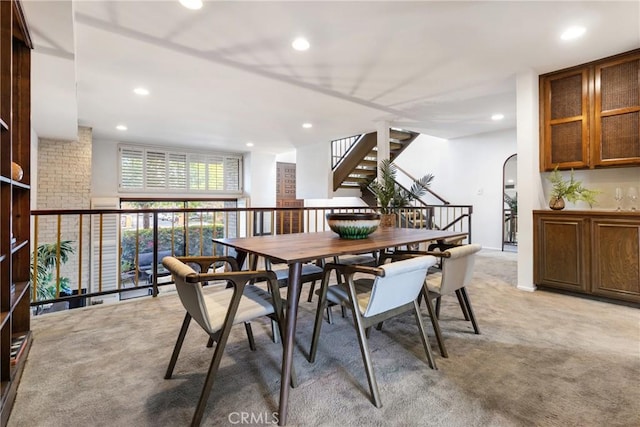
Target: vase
16 171
388 220
556 203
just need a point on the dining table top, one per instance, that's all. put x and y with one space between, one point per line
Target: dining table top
303 247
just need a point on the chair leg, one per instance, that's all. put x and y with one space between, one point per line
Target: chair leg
465 296
322 304
210 342
178 346
211 374
438 307
379 326
366 358
316 330
436 327
311 289
329 314
274 331
252 343
463 306
343 310
423 336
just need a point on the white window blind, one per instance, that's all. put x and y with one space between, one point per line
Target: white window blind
144 169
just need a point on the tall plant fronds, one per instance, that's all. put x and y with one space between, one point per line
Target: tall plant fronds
45 264
390 194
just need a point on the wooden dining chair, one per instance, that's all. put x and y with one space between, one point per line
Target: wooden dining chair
384 292
218 309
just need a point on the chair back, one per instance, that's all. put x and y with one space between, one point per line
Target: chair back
190 293
457 268
400 285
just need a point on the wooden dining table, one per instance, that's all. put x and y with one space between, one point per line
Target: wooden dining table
296 249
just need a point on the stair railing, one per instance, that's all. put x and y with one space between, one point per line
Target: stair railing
406 177
341 147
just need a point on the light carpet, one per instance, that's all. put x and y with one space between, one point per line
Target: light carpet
543 359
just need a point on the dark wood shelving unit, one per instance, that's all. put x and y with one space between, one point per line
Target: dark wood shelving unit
15 142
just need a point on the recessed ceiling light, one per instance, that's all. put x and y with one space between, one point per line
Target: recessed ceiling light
121 127
249 144
300 44
307 125
497 116
573 33
192 4
141 91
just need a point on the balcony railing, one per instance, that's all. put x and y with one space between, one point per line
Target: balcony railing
93 256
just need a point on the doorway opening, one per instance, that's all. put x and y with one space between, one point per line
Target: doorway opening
510 204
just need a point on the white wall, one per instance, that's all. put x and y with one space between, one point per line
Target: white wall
313 171
467 171
530 195
104 166
260 179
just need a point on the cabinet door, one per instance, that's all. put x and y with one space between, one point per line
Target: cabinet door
564 119
616 258
617 112
561 257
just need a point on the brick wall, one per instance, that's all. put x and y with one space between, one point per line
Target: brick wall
64 182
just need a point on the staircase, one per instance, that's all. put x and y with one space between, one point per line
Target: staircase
359 166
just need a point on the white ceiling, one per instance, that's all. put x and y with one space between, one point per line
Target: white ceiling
226 74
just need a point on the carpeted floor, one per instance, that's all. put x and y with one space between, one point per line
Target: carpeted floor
543 359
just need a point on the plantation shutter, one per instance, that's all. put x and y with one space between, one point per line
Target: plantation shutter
156 170
131 168
177 171
147 169
232 174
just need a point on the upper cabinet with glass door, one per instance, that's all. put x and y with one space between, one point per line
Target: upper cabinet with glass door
590 114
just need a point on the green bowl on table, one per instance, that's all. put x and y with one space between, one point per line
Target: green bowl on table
353 225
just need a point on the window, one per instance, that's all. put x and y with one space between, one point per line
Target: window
146 169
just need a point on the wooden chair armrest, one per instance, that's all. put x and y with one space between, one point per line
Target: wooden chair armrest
203 261
232 276
351 269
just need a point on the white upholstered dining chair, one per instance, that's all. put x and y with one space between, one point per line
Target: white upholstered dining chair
217 309
388 290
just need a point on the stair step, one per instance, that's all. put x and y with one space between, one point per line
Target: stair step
356 181
395 146
368 163
359 171
400 135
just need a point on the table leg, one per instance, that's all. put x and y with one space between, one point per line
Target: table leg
293 298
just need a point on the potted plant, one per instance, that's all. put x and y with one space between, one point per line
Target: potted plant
43 270
570 189
391 195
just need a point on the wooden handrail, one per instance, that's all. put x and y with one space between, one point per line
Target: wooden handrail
430 191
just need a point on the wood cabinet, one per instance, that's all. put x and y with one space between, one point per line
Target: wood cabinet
590 114
15 142
589 252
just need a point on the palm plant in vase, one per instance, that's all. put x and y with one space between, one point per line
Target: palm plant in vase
391 195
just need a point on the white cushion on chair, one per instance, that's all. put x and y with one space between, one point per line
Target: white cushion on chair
255 302
339 293
400 285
